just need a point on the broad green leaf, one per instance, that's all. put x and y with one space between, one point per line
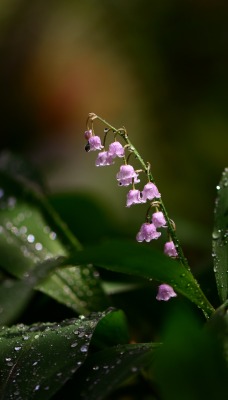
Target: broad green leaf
141 260
111 330
218 324
15 294
190 364
220 237
104 371
31 233
37 360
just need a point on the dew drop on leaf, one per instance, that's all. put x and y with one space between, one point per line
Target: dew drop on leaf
84 348
74 344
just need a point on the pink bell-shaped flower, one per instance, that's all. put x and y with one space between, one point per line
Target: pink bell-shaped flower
133 197
170 250
150 192
116 150
95 143
165 292
103 159
147 232
158 219
126 174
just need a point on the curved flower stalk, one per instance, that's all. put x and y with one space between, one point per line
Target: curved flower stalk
156 216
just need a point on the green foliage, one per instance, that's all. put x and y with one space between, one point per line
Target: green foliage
37 360
143 261
101 352
190 365
220 237
32 233
106 370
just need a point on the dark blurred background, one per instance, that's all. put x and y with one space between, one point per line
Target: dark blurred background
157 67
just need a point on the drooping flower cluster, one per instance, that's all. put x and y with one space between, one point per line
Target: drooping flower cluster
126 176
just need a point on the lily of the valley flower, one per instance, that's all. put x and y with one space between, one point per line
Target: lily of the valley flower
147 232
95 143
165 292
133 197
170 250
150 192
103 159
158 219
116 150
126 174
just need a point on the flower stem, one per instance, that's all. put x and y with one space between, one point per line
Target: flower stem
146 167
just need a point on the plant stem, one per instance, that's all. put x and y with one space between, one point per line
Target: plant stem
146 169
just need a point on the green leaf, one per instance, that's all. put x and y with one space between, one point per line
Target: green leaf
111 330
144 261
15 294
37 360
220 237
106 370
218 324
31 232
190 364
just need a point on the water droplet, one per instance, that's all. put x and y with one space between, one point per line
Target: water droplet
74 344
38 246
52 235
218 187
17 348
96 367
216 235
31 238
37 388
84 348
23 230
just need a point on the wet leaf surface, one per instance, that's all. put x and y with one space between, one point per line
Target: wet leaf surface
144 261
31 233
104 371
37 360
220 237
15 294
